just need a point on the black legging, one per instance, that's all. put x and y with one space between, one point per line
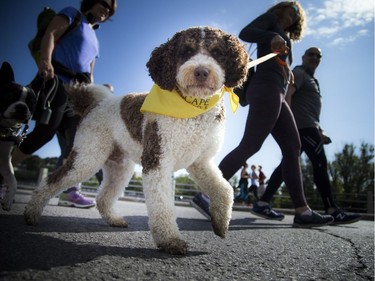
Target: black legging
312 145
269 113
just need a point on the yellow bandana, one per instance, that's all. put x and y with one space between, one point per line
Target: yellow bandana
171 103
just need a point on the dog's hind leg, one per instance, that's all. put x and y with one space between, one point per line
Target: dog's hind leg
77 168
209 178
159 194
116 176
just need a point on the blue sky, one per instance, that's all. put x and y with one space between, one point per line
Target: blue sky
343 29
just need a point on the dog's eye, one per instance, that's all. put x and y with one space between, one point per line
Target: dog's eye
187 52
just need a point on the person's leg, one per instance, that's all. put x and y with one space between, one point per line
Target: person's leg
254 189
62 144
42 134
312 145
71 196
262 207
99 176
273 185
263 113
286 135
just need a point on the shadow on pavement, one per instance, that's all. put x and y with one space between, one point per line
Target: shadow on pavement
45 246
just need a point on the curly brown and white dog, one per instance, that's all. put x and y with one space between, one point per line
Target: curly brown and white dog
195 63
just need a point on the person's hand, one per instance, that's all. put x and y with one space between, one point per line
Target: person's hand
325 138
279 45
46 70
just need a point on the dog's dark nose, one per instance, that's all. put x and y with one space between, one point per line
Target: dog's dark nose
21 112
201 73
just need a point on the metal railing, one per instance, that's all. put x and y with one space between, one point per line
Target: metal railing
361 203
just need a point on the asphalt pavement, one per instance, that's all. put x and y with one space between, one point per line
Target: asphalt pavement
76 244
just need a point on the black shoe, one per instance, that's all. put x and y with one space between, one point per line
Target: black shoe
201 205
340 217
313 220
266 212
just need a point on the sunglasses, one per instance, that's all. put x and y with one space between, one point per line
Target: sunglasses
105 5
311 54
295 8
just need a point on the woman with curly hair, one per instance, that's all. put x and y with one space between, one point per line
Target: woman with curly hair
269 113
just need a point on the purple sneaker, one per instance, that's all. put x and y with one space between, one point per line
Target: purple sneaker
75 199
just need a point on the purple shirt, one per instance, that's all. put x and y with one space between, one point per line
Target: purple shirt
79 47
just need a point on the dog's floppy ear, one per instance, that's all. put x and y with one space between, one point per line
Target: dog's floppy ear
237 61
6 73
162 65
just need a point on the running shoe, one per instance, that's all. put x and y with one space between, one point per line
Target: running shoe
266 212
340 217
75 199
313 220
202 205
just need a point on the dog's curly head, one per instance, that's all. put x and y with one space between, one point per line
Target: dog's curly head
206 46
16 101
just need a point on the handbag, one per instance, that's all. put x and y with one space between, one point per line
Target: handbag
241 91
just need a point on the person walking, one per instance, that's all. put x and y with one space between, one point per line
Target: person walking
253 183
261 178
243 196
269 113
304 97
71 59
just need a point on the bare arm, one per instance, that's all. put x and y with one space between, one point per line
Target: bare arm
243 174
92 65
291 91
55 30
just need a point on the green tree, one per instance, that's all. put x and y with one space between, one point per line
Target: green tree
353 172
186 186
353 175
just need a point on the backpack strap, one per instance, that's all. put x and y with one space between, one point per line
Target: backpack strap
73 25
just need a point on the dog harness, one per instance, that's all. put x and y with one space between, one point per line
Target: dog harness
14 132
172 103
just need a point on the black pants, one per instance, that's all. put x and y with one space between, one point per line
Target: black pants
269 114
312 145
62 120
254 189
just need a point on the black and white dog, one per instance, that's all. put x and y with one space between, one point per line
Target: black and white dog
16 106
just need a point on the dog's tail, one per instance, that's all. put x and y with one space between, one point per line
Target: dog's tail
84 97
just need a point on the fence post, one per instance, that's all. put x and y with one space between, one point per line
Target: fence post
173 184
43 173
370 202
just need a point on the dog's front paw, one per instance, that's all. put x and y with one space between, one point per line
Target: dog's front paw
219 228
118 222
6 205
8 199
31 216
174 246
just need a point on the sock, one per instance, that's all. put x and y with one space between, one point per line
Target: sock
262 203
331 210
308 212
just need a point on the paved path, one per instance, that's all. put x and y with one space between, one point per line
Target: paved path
75 244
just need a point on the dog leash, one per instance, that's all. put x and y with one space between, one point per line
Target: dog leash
261 59
279 61
47 99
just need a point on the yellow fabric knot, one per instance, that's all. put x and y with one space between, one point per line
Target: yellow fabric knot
233 98
171 103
